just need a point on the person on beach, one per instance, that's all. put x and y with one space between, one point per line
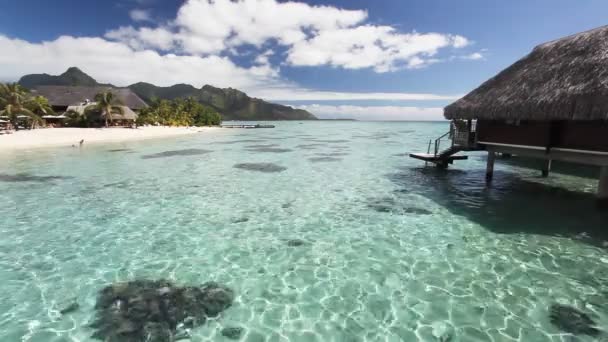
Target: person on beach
81 142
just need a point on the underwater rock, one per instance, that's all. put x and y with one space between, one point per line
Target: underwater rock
335 141
417 211
216 298
73 306
230 142
148 310
269 149
261 146
233 333
382 205
261 167
309 146
390 205
185 152
333 154
25 177
572 320
324 159
295 243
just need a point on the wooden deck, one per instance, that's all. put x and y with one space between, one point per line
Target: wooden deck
437 158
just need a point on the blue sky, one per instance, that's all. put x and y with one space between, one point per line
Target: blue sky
389 59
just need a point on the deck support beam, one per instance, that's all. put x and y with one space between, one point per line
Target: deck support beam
546 167
602 188
490 166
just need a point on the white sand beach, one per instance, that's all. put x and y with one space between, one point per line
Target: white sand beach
53 137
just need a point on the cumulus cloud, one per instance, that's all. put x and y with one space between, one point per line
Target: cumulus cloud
474 56
395 113
196 46
120 64
157 38
293 93
368 46
138 14
313 35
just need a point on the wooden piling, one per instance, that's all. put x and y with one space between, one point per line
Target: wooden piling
546 168
490 166
602 188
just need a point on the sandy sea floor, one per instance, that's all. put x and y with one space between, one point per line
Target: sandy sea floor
325 231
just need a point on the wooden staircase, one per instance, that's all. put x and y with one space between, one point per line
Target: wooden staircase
460 140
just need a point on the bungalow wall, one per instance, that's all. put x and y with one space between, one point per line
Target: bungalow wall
579 135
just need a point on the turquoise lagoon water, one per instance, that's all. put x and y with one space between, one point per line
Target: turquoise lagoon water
392 251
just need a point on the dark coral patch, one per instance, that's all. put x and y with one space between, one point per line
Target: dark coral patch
261 167
270 149
295 243
26 177
232 333
324 159
185 152
147 310
390 205
571 320
243 141
333 154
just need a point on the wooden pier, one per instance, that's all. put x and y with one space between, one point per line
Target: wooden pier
248 126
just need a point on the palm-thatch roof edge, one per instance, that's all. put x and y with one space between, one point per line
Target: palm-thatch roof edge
565 79
74 95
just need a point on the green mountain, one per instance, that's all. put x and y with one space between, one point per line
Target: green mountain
72 77
233 104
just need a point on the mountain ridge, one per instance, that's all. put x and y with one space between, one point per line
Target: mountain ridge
232 103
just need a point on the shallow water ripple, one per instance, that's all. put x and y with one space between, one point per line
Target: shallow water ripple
369 247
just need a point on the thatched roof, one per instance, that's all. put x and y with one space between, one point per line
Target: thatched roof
565 79
74 95
127 113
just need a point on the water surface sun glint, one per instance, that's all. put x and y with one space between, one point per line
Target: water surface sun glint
339 238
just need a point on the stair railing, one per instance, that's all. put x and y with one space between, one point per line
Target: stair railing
438 142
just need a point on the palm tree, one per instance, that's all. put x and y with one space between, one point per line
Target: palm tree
40 106
106 104
14 101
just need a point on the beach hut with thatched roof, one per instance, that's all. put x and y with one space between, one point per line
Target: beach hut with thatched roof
61 97
121 116
552 104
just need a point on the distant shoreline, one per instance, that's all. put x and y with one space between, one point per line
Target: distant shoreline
66 137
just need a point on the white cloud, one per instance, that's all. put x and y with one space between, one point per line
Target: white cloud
376 112
313 35
263 58
157 38
292 93
474 56
367 46
194 48
138 14
117 63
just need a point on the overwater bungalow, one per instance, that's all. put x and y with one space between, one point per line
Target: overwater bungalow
551 105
